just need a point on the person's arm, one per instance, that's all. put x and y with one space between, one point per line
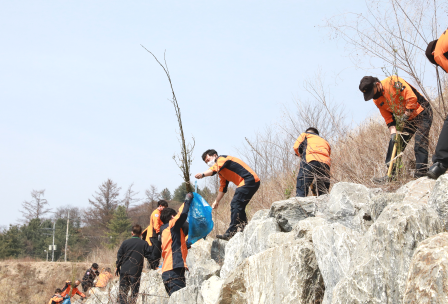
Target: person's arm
218 199
204 174
119 261
80 293
410 99
157 223
182 215
297 144
147 251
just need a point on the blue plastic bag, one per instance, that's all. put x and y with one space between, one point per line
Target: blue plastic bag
66 301
200 221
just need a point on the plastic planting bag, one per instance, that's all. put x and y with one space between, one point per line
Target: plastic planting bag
66 301
200 221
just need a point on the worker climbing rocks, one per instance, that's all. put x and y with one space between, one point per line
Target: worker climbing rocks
315 163
104 278
72 290
57 298
437 53
151 235
232 169
398 100
89 277
130 258
174 246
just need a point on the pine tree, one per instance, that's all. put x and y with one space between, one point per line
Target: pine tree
180 193
166 194
119 226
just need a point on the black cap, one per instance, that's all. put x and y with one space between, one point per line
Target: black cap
431 47
366 86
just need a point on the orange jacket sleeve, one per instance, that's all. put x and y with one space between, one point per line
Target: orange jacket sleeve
442 61
223 184
388 116
298 142
410 98
157 222
76 291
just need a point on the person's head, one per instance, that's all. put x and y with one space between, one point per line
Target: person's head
162 204
430 50
77 282
167 214
95 266
209 157
312 130
371 87
108 270
136 230
58 291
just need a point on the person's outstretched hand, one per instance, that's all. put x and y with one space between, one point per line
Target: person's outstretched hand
198 176
215 205
117 272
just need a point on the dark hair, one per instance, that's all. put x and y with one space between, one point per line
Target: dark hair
162 203
165 215
429 49
58 290
209 152
314 130
108 269
137 229
95 265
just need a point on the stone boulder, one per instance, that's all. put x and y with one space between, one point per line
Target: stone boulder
252 240
284 274
280 238
104 295
200 264
187 295
304 229
382 257
348 204
152 286
218 251
438 199
418 190
379 202
428 275
210 290
290 212
334 246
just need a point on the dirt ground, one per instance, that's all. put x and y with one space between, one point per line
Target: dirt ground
35 282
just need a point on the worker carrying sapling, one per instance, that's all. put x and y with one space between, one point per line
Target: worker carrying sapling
398 100
437 53
315 163
72 290
232 169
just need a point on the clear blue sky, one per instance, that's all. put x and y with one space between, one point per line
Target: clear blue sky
81 101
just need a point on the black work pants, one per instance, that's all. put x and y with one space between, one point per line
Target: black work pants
156 253
419 126
242 197
310 171
128 282
441 154
174 280
86 285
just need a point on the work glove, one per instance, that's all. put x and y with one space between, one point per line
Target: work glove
189 197
117 272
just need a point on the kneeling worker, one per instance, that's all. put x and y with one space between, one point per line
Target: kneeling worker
437 53
315 153
232 169
397 99
151 235
174 247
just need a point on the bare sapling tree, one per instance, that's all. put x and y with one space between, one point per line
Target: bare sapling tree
152 196
37 207
129 197
185 159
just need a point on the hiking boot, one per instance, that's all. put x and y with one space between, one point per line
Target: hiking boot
224 236
436 170
380 180
419 174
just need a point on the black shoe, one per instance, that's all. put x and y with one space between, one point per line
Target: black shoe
436 170
419 174
380 180
224 236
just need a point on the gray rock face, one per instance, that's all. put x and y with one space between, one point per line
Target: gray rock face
253 240
428 275
187 295
210 290
438 199
304 229
280 238
290 212
383 255
284 274
201 266
419 190
349 205
380 202
218 251
334 246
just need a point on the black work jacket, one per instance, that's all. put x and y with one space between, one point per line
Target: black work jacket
131 255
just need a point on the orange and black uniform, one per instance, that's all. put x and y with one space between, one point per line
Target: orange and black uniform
71 291
441 58
174 250
56 299
399 96
103 279
315 152
151 235
232 169
88 278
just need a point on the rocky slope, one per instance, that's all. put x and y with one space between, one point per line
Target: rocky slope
355 245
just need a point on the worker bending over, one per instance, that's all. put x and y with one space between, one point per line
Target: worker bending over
56 298
104 278
437 53
315 163
72 290
232 169
397 99
89 277
174 246
151 235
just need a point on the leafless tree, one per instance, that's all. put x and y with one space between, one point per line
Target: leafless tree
152 196
185 158
103 205
129 197
37 207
